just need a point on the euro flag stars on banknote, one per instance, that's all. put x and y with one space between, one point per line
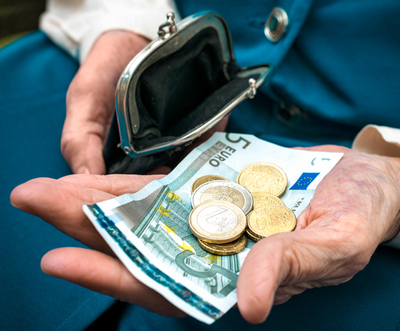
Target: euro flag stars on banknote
149 231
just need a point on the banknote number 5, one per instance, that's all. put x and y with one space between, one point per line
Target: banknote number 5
247 143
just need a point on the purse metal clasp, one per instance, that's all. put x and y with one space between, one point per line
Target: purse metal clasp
169 27
252 89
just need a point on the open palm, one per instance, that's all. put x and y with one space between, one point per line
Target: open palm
354 209
60 202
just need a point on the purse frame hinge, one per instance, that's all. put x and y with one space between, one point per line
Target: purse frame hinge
168 28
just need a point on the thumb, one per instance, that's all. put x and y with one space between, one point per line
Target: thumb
259 278
296 261
82 148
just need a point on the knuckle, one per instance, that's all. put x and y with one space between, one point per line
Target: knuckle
65 142
70 145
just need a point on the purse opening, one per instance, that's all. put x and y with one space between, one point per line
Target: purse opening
185 89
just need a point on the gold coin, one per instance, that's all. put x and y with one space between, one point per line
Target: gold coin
252 236
231 248
205 179
250 233
265 199
268 220
248 217
217 222
263 177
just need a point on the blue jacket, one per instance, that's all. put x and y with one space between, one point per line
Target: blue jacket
337 67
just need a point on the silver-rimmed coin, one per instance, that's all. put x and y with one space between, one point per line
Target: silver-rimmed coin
217 222
221 190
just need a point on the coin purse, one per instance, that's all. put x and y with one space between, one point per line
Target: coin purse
178 87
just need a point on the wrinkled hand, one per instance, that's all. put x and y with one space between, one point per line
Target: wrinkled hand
355 208
59 202
91 97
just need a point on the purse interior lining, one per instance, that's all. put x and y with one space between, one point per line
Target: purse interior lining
185 89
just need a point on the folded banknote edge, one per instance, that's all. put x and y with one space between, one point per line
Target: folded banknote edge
143 278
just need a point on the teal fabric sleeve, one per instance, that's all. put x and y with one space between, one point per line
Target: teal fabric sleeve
34 77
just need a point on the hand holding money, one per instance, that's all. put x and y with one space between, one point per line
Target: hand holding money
59 202
354 208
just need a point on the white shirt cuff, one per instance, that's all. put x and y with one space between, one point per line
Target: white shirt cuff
381 140
76 25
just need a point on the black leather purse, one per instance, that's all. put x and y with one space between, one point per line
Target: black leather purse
177 88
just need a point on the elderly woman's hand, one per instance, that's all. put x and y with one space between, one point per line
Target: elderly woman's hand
91 98
59 202
354 209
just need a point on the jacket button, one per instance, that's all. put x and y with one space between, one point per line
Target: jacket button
288 113
276 24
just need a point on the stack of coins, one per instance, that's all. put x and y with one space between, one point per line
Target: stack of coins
267 183
219 219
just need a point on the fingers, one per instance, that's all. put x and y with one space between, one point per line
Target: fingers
60 204
90 100
104 274
112 184
82 149
90 105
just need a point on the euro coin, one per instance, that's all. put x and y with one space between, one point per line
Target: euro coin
205 179
265 199
268 220
252 236
217 222
221 190
263 177
231 248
